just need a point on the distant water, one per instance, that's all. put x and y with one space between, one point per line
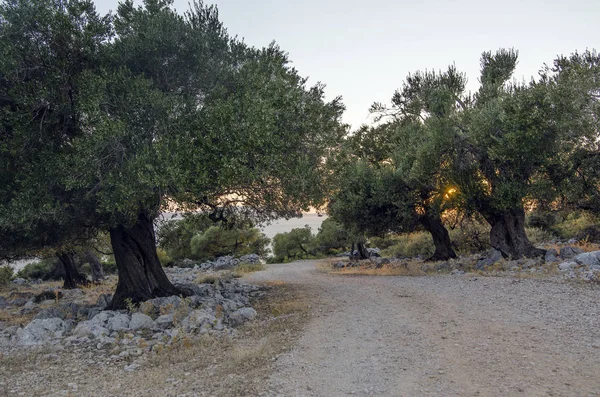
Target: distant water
282 225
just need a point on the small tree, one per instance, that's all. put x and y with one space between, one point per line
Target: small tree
293 244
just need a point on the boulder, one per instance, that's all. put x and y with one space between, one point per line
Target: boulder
104 300
588 258
225 262
141 321
166 304
493 257
242 315
379 262
51 312
90 329
551 256
40 331
118 322
48 294
339 265
195 289
197 319
19 281
250 258
569 252
567 266
3 302
165 321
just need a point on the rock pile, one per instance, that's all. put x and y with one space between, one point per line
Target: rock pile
211 308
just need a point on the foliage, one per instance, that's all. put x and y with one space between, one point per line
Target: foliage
6 274
470 237
410 245
163 257
293 244
45 269
220 241
538 236
332 237
174 236
574 224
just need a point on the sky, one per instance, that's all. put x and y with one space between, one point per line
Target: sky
363 50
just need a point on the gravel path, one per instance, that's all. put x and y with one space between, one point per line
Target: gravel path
440 336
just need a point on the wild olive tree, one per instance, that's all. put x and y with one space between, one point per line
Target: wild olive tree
175 112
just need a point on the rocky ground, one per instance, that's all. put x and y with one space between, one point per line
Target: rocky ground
299 330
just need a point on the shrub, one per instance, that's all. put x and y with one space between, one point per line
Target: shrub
45 269
574 224
293 244
538 235
470 237
218 241
411 244
174 236
6 274
163 257
332 237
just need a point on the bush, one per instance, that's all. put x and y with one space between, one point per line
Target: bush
109 267
574 224
46 269
294 244
163 257
218 241
470 237
538 235
410 245
332 238
175 236
6 274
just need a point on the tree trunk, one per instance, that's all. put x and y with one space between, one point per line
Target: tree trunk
441 238
73 278
508 235
363 253
95 266
141 277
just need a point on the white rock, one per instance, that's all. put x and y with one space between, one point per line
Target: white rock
118 322
90 329
131 367
196 319
242 315
567 266
41 331
141 321
165 321
588 258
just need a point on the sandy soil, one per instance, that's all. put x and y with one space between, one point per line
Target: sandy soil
439 336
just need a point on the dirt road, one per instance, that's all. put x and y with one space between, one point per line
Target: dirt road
440 336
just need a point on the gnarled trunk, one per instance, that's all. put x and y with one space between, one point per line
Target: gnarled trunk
441 239
508 235
363 253
141 277
73 278
95 266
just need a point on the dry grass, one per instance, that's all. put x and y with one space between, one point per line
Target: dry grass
246 268
368 268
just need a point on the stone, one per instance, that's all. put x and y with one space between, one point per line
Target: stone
141 321
118 322
48 294
457 272
41 331
225 262
242 315
131 367
379 262
569 252
19 281
51 312
190 289
567 266
493 257
551 256
104 300
166 304
250 258
73 294
588 258
18 302
165 321
3 302
196 319
90 329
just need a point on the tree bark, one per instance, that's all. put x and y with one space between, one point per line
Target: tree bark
363 253
141 277
441 239
95 266
73 278
508 235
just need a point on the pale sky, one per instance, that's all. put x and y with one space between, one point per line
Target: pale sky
364 50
